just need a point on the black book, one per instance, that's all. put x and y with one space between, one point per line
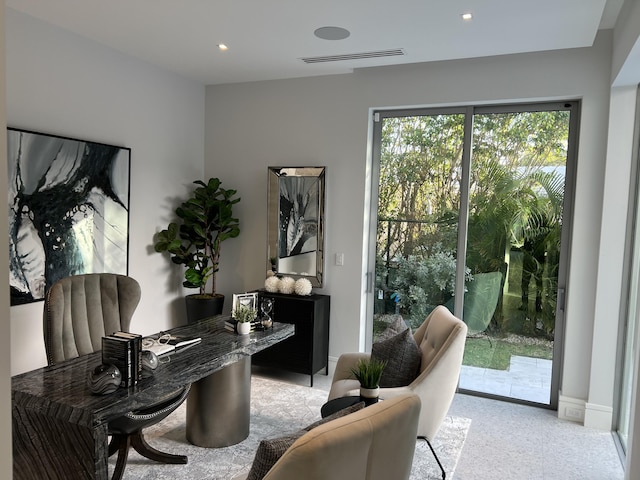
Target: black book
119 352
136 339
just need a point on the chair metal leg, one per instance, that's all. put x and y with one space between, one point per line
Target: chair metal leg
143 448
444 475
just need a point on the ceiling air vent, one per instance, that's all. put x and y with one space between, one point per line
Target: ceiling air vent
354 56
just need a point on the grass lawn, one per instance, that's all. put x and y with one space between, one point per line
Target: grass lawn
479 352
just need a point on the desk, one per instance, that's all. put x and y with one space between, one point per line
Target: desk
60 428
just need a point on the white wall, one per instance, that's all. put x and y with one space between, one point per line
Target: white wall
324 121
5 329
62 84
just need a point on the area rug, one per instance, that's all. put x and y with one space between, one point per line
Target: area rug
276 408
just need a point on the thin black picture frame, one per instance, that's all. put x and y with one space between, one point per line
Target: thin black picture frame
69 203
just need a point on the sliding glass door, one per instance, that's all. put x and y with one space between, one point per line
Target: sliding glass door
470 214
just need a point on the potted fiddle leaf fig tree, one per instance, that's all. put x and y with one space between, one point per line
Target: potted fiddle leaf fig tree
205 221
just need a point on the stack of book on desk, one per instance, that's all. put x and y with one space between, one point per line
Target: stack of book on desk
123 350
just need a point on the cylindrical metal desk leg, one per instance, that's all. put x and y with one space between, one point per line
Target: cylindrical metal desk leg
218 406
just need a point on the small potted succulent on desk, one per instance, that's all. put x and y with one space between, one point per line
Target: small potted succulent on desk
368 373
244 315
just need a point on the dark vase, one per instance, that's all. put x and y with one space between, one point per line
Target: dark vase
199 307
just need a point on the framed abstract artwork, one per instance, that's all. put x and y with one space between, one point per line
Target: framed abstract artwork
295 219
68 210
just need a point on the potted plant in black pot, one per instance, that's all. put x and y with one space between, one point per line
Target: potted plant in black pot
206 220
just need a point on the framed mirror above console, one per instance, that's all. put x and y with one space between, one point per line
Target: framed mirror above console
295 231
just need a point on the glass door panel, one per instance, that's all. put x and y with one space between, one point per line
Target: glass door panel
418 204
477 192
516 197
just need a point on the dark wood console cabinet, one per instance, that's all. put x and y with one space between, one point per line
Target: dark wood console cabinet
308 350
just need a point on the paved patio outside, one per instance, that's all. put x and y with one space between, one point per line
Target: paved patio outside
525 379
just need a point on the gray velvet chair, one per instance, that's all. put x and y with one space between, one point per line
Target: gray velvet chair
78 312
441 339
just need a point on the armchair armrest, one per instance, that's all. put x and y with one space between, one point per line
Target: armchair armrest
346 362
343 382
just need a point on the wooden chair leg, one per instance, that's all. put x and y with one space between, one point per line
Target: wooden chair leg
114 444
123 453
143 448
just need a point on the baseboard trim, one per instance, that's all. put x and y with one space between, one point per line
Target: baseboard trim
571 409
598 416
590 415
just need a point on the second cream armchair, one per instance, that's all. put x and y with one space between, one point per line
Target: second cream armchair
441 339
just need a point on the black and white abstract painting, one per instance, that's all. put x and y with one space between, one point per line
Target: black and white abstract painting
299 197
68 210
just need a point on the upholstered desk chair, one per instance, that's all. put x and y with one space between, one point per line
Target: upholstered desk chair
374 443
78 312
441 339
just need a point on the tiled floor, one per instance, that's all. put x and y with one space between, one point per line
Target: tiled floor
526 379
520 442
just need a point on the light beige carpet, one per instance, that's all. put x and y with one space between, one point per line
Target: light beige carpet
276 408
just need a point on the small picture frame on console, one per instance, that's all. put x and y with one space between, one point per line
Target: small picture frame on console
245 299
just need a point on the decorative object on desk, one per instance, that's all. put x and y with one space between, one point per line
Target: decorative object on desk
245 299
287 285
368 373
303 287
272 284
206 221
149 363
104 379
295 220
159 346
122 353
244 315
68 210
266 310
167 343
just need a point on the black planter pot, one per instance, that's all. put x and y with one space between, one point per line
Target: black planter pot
199 307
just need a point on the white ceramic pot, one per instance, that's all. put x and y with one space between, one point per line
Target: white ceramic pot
244 328
369 392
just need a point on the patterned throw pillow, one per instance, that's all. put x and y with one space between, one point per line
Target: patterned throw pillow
269 452
403 357
338 414
396 326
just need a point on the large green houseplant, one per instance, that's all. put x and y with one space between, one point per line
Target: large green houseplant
205 221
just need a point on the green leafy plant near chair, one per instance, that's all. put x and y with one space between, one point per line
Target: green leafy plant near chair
369 372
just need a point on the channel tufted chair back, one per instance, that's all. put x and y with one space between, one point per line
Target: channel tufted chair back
81 309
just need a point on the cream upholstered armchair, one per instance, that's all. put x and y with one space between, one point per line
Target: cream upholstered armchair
441 340
79 311
373 443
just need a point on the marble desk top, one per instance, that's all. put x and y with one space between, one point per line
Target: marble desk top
61 390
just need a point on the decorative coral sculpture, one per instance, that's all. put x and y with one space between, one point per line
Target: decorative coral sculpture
287 285
272 284
303 286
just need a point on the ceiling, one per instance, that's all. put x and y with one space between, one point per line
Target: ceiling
268 38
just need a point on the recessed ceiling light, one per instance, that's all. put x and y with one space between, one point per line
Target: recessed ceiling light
332 33
467 16
223 47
